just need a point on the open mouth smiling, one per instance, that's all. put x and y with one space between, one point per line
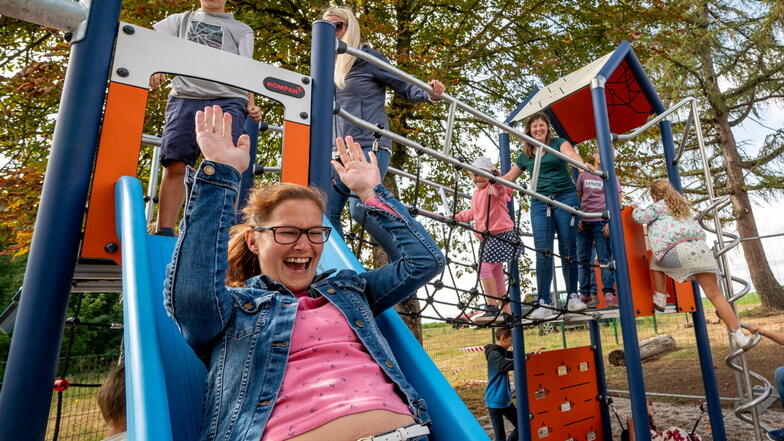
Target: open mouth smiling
298 264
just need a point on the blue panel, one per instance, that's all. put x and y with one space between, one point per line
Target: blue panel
164 379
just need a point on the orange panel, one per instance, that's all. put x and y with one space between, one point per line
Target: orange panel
562 391
638 261
296 153
684 293
118 155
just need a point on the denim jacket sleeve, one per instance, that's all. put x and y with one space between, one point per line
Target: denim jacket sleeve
405 89
195 292
420 258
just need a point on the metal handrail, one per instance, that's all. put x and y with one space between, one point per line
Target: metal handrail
450 99
537 168
155 167
646 126
682 144
450 125
359 122
428 182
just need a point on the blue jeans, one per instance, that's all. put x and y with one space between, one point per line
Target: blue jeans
545 227
779 377
592 236
337 196
497 418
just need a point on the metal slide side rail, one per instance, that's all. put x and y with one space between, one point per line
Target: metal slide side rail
735 360
343 48
450 160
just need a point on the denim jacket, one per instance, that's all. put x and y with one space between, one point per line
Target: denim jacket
243 334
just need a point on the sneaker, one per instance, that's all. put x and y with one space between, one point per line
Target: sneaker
541 313
659 301
492 314
610 300
742 340
585 299
592 301
776 435
575 304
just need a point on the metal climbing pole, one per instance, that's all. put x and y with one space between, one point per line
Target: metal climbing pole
29 375
698 316
322 70
628 322
745 390
518 338
671 159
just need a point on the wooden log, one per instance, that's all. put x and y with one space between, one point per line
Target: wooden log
649 348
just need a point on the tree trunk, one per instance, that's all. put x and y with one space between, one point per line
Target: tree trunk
649 348
769 290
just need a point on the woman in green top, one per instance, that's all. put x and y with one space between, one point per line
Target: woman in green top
555 182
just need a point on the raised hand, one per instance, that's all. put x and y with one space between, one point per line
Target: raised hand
157 79
213 134
438 89
359 174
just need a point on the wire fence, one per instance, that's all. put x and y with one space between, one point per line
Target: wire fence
74 413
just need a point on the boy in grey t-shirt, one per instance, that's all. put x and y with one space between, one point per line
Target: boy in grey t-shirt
211 26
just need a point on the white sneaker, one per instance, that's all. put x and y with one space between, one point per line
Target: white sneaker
741 339
575 304
659 301
541 313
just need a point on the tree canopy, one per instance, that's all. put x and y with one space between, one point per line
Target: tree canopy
489 53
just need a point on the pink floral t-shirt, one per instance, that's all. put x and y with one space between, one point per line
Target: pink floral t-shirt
329 374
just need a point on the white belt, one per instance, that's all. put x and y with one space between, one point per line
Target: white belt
399 434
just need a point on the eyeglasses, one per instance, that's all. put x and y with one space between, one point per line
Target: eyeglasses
339 25
286 235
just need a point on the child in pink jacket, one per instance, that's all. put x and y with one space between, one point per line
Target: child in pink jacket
500 244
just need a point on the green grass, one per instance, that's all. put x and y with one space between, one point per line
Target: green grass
752 298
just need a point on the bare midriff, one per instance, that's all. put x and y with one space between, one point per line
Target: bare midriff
357 425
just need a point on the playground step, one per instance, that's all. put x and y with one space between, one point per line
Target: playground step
93 277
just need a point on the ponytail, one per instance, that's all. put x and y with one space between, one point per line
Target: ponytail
243 264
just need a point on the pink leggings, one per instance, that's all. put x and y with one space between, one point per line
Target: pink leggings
493 270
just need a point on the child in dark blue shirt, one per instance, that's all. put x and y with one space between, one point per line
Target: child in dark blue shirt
498 395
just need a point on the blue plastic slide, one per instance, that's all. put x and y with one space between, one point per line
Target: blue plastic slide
164 378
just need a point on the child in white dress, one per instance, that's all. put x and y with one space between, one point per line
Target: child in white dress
680 251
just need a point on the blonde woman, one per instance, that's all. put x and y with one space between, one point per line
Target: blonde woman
679 251
361 91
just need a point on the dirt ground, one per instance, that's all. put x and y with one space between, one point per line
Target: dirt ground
679 373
